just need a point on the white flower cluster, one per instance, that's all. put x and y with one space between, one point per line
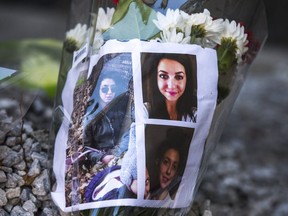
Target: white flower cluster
200 28
81 33
175 26
78 34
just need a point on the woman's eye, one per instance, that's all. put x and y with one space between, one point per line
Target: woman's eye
165 161
163 76
179 77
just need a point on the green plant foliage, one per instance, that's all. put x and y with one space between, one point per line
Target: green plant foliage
37 61
133 24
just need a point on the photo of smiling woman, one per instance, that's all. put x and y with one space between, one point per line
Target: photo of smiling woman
166 159
170 86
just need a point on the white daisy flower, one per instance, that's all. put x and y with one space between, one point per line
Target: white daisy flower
78 34
104 19
173 36
236 34
171 20
202 28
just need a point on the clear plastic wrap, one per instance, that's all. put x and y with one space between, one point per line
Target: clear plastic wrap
144 90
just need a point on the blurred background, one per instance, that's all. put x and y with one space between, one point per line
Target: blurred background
48 18
248 173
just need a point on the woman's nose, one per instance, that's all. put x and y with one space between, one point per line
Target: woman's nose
169 169
109 90
170 83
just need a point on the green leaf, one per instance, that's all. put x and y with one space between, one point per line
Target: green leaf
37 61
121 10
226 58
137 23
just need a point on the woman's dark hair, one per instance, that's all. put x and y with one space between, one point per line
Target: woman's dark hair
187 103
175 139
93 102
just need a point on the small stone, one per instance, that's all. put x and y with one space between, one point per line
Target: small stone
36 147
12 158
41 185
16 130
29 206
4 151
2 136
14 180
44 198
49 212
25 194
27 145
8 207
41 157
18 210
27 128
3 177
20 166
35 200
6 169
12 141
21 172
3 198
35 168
15 201
13 193
3 212
17 148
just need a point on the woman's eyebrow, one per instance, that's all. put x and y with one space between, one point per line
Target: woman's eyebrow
180 72
162 71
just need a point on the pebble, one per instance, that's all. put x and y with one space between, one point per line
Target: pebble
3 198
35 168
3 177
29 206
24 180
41 185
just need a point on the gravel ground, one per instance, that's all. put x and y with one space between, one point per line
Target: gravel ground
247 174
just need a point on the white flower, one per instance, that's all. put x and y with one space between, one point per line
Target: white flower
97 42
213 30
171 20
78 34
196 18
104 19
173 36
203 28
236 33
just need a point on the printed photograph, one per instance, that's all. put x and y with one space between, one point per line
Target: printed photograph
102 117
167 150
170 86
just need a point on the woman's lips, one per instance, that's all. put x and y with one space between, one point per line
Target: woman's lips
172 93
165 179
109 98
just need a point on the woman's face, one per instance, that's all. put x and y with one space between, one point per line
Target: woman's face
107 90
171 79
168 167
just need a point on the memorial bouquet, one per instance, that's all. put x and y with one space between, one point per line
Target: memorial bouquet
144 89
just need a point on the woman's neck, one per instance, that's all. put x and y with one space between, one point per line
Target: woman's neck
172 110
102 105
